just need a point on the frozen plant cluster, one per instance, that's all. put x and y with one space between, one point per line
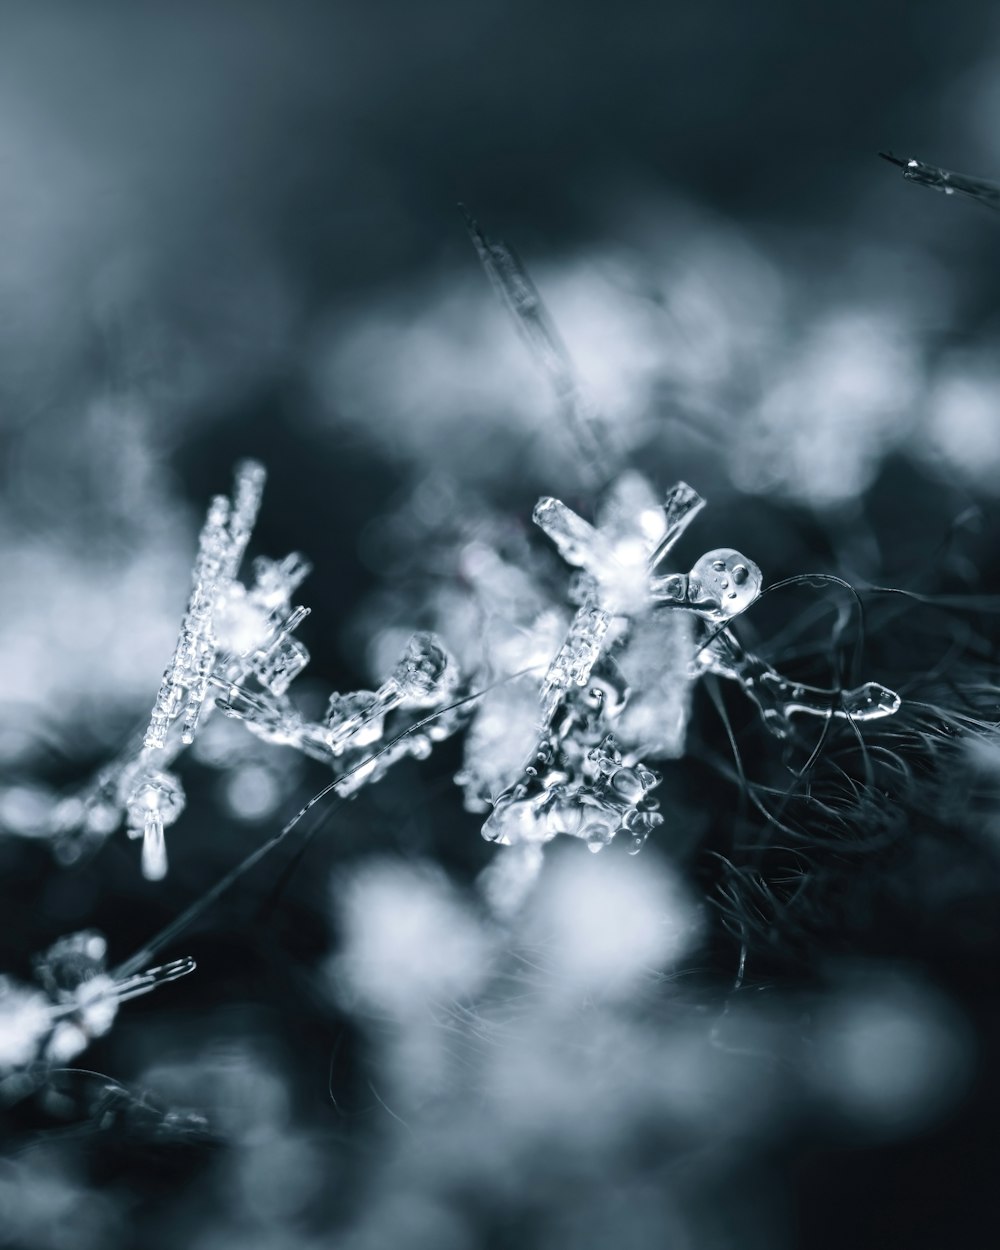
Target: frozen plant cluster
566 698
236 653
591 706
558 744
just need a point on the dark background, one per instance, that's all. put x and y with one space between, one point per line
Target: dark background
198 203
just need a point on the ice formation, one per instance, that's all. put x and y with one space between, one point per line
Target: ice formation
564 698
582 778
236 653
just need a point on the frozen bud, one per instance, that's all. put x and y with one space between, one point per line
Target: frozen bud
427 673
723 583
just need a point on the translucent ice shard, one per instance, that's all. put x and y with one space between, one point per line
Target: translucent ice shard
576 540
426 674
779 699
946 180
360 710
265 714
275 581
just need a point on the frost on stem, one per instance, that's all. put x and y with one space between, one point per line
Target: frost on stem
946 180
221 545
75 1001
520 297
233 638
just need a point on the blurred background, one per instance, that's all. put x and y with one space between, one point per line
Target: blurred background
231 229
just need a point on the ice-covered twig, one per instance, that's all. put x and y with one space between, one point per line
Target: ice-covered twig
229 634
779 699
221 545
947 180
519 295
